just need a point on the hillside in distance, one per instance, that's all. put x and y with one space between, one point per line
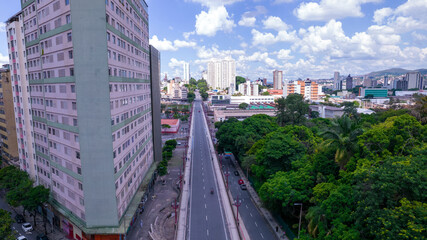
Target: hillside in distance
396 72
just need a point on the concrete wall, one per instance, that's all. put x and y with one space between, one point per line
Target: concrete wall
155 102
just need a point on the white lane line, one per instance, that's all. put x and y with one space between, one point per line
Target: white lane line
206 217
246 205
207 232
205 206
261 235
256 224
203 187
251 214
204 195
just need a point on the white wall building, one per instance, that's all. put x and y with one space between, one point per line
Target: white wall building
18 72
414 80
186 74
337 81
222 74
277 79
249 89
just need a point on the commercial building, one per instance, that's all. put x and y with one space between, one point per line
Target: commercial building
415 80
8 139
249 89
277 79
374 92
90 83
337 81
222 74
400 84
186 72
349 82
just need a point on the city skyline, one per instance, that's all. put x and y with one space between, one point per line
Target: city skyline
303 39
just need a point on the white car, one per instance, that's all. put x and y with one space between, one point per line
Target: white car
21 238
27 227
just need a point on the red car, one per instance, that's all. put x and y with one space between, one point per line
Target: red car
241 182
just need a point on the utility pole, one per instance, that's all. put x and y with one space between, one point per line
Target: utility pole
300 215
237 203
175 206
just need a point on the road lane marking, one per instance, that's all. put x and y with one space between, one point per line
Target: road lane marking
256 224
207 232
251 214
204 195
205 206
261 235
246 205
206 217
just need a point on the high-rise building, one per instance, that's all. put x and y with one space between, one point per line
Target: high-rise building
385 83
309 89
222 74
249 89
277 79
88 66
155 72
186 75
8 142
21 92
415 80
337 81
349 82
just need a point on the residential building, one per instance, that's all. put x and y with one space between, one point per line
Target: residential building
277 79
21 92
415 80
252 99
337 81
89 77
8 139
172 125
400 84
222 74
349 82
186 72
367 81
309 89
249 88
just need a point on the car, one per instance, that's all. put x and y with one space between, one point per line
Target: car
42 237
236 173
21 238
19 218
241 182
27 227
243 187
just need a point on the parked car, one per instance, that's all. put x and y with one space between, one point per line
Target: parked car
27 227
42 237
243 187
21 238
241 182
236 173
19 218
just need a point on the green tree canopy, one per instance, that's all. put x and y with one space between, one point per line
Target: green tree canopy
243 105
291 110
239 80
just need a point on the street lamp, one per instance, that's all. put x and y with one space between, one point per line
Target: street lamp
300 214
237 203
226 174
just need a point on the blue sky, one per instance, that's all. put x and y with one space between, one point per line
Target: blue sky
300 37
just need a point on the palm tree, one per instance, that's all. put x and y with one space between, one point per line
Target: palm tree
316 219
342 136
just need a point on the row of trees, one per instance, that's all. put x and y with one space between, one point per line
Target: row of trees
20 191
201 85
167 153
358 176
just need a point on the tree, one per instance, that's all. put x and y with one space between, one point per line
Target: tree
191 96
239 80
350 109
34 198
193 81
166 126
204 95
6 225
342 137
243 105
291 110
419 110
171 142
266 93
314 114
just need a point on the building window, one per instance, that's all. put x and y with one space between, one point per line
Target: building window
69 37
78 155
70 54
79 171
73 88
71 71
67 2
68 18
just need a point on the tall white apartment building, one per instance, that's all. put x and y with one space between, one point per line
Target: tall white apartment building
249 89
21 92
186 72
337 81
277 79
222 74
415 80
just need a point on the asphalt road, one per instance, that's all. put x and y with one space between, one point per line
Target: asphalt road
255 223
206 217
17 226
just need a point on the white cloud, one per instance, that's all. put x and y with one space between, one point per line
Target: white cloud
243 45
2 27
214 52
284 54
275 23
162 45
216 19
247 21
259 38
166 45
330 9
187 35
180 44
419 37
174 63
4 59
382 13
260 57
282 1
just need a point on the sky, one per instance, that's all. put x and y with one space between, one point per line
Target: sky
303 38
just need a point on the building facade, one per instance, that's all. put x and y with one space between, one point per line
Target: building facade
415 80
337 81
91 107
349 82
309 89
8 138
186 72
249 89
277 79
21 93
222 74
